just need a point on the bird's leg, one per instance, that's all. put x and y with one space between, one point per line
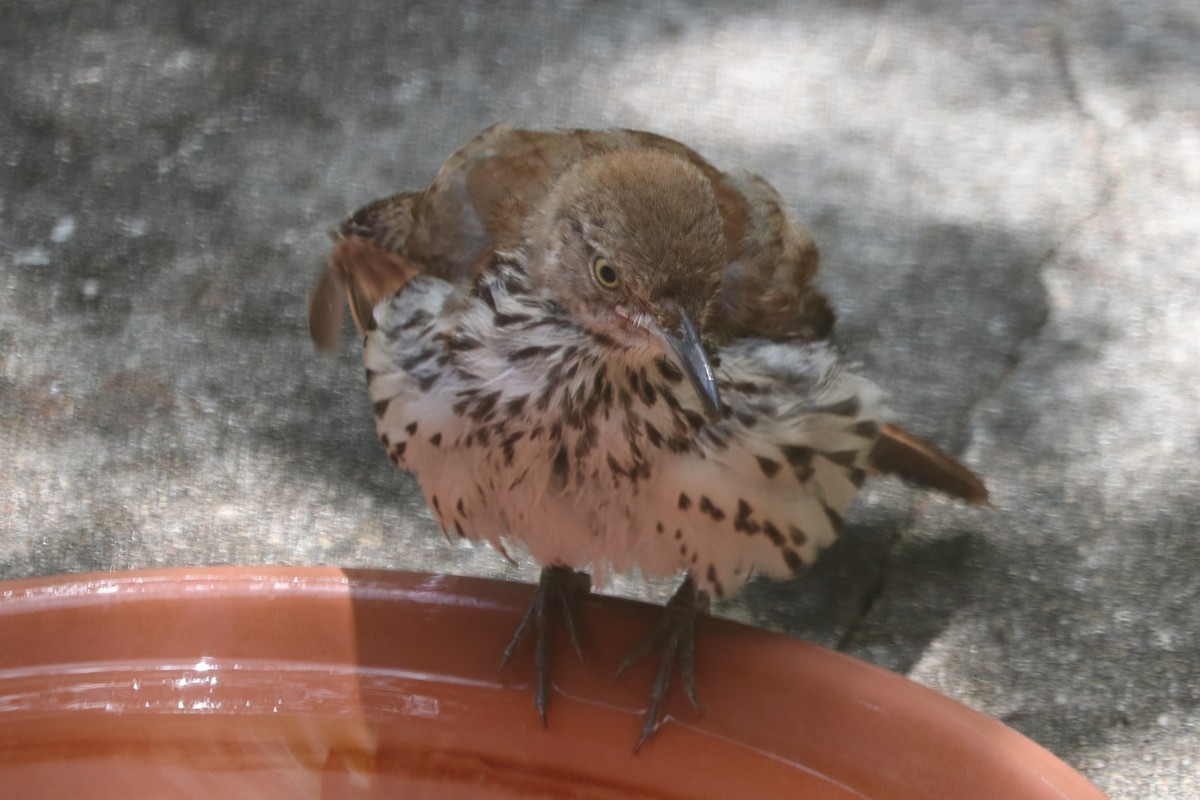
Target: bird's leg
675 640
568 587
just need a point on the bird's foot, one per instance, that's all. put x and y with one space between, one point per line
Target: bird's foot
566 587
675 641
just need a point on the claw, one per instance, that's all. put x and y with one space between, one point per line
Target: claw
675 641
568 587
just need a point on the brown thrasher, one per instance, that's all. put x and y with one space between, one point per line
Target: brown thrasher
598 345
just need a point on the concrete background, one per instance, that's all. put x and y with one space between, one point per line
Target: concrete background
1007 196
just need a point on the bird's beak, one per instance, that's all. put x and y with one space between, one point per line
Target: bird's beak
689 353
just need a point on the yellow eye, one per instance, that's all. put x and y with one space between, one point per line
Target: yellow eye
605 273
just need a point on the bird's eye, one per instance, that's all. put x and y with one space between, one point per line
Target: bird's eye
605 273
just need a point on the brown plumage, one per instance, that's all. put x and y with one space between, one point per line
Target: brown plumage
599 345
482 200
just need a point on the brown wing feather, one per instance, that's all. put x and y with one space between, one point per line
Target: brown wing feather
367 264
910 457
484 194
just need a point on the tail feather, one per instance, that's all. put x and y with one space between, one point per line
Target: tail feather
900 453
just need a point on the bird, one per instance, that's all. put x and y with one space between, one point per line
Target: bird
600 346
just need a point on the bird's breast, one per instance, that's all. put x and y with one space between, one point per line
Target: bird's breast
522 426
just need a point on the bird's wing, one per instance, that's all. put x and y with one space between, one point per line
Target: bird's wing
484 194
767 287
367 264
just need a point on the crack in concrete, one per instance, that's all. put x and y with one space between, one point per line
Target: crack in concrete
962 426
1060 52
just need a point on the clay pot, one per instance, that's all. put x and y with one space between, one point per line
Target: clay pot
287 683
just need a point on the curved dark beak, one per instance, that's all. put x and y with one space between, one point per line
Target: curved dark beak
689 353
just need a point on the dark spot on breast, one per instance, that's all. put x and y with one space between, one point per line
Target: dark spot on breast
586 441
383 437
846 408
485 294
615 467
718 590
559 471
678 444
868 429
485 405
436 439
685 502
502 320
800 459
516 405
845 458
769 466
381 406
462 342
606 397
742 521
668 370
659 527
653 434
416 319
792 559
798 536
796 455
708 507
532 351
773 533
411 428
649 394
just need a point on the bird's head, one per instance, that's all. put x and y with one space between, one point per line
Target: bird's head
632 242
